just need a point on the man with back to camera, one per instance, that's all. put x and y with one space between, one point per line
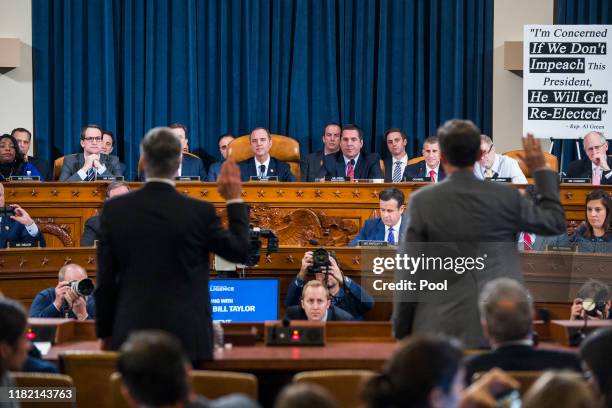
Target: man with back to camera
191 165
387 227
597 165
262 164
345 293
24 139
92 163
430 165
91 232
311 165
468 217
396 164
316 306
223 142
63 302
18 228
153 252
493 165
351 161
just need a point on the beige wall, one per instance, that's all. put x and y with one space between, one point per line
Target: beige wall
509 18
16 103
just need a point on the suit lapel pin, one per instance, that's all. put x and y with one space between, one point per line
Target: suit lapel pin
6 227
271 170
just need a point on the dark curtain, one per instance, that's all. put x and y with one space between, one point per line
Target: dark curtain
230 65
578 12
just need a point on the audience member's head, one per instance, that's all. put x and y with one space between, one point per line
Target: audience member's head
315 300
10 155
180 131
391 206
596 353
13 341
71 272
108 142
117 188
24 138
396 142
223 142
506 311
154 369
261 143
91 139
487 151
331 138
423 372
161 153
598 213
351 141
559 389
595 145
459 143
431 151
304 395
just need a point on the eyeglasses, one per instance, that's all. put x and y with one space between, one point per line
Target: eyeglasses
487 151
593 148
92 139
224 147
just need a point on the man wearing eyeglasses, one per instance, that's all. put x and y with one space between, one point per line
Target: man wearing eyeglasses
597 165
492 165
92 163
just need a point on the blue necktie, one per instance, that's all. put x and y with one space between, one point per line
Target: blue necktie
390 237
91 174
397 172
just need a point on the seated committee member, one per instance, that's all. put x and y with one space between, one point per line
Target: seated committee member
108 145
62 301
262 164
599 293
92 163
396 164
191 165
215 168
91 232
12 161
24 139
388 226
597 165
315 305
311 165
430 166
351 161
345 293
19 228
506 310
493 165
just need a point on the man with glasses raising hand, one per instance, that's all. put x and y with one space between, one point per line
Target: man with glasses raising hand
597 165
92 163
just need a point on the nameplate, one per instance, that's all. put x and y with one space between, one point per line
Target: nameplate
368 181
562 248
575 180
264 178
417 179
24 178
372 243
109 178
187 178
336 179
500 179
21 245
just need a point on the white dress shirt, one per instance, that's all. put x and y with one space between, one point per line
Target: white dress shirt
504 166
396 229
266 163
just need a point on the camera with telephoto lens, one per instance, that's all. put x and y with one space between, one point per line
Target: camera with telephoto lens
593 308
83 287
254 252
320 260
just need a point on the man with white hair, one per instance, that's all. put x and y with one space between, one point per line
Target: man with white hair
597 165
493 165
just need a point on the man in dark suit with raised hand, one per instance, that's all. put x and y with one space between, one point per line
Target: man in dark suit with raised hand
351 161
469 218
154 249
597 165
331 144
262 164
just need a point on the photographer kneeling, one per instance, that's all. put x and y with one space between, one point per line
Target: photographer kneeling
63 300
345 293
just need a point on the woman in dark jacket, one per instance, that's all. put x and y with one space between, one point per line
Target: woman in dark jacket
12 162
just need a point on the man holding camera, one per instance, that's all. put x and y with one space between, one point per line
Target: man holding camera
593 302
345 293
16 226
62 300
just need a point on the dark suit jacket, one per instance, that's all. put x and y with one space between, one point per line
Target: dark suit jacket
583 169
419 170
42 306
277 168
367 167
389 170
14 232
520 358
374 230
91 232
74 162
478 218
333 314
153 264
311 166
193 166
43 167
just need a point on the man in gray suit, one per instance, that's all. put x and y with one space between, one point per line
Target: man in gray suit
469 218
92 163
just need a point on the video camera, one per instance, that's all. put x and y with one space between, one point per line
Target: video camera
255 235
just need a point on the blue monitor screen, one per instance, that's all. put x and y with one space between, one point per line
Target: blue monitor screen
244 300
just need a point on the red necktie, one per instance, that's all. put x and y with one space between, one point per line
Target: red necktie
432 175
350 169
527 241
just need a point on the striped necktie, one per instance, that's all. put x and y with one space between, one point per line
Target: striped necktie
397 172
91 174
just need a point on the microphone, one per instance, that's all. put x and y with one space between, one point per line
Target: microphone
262 170
495 175
313 242
352 162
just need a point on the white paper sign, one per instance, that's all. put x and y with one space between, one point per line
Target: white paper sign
567 77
